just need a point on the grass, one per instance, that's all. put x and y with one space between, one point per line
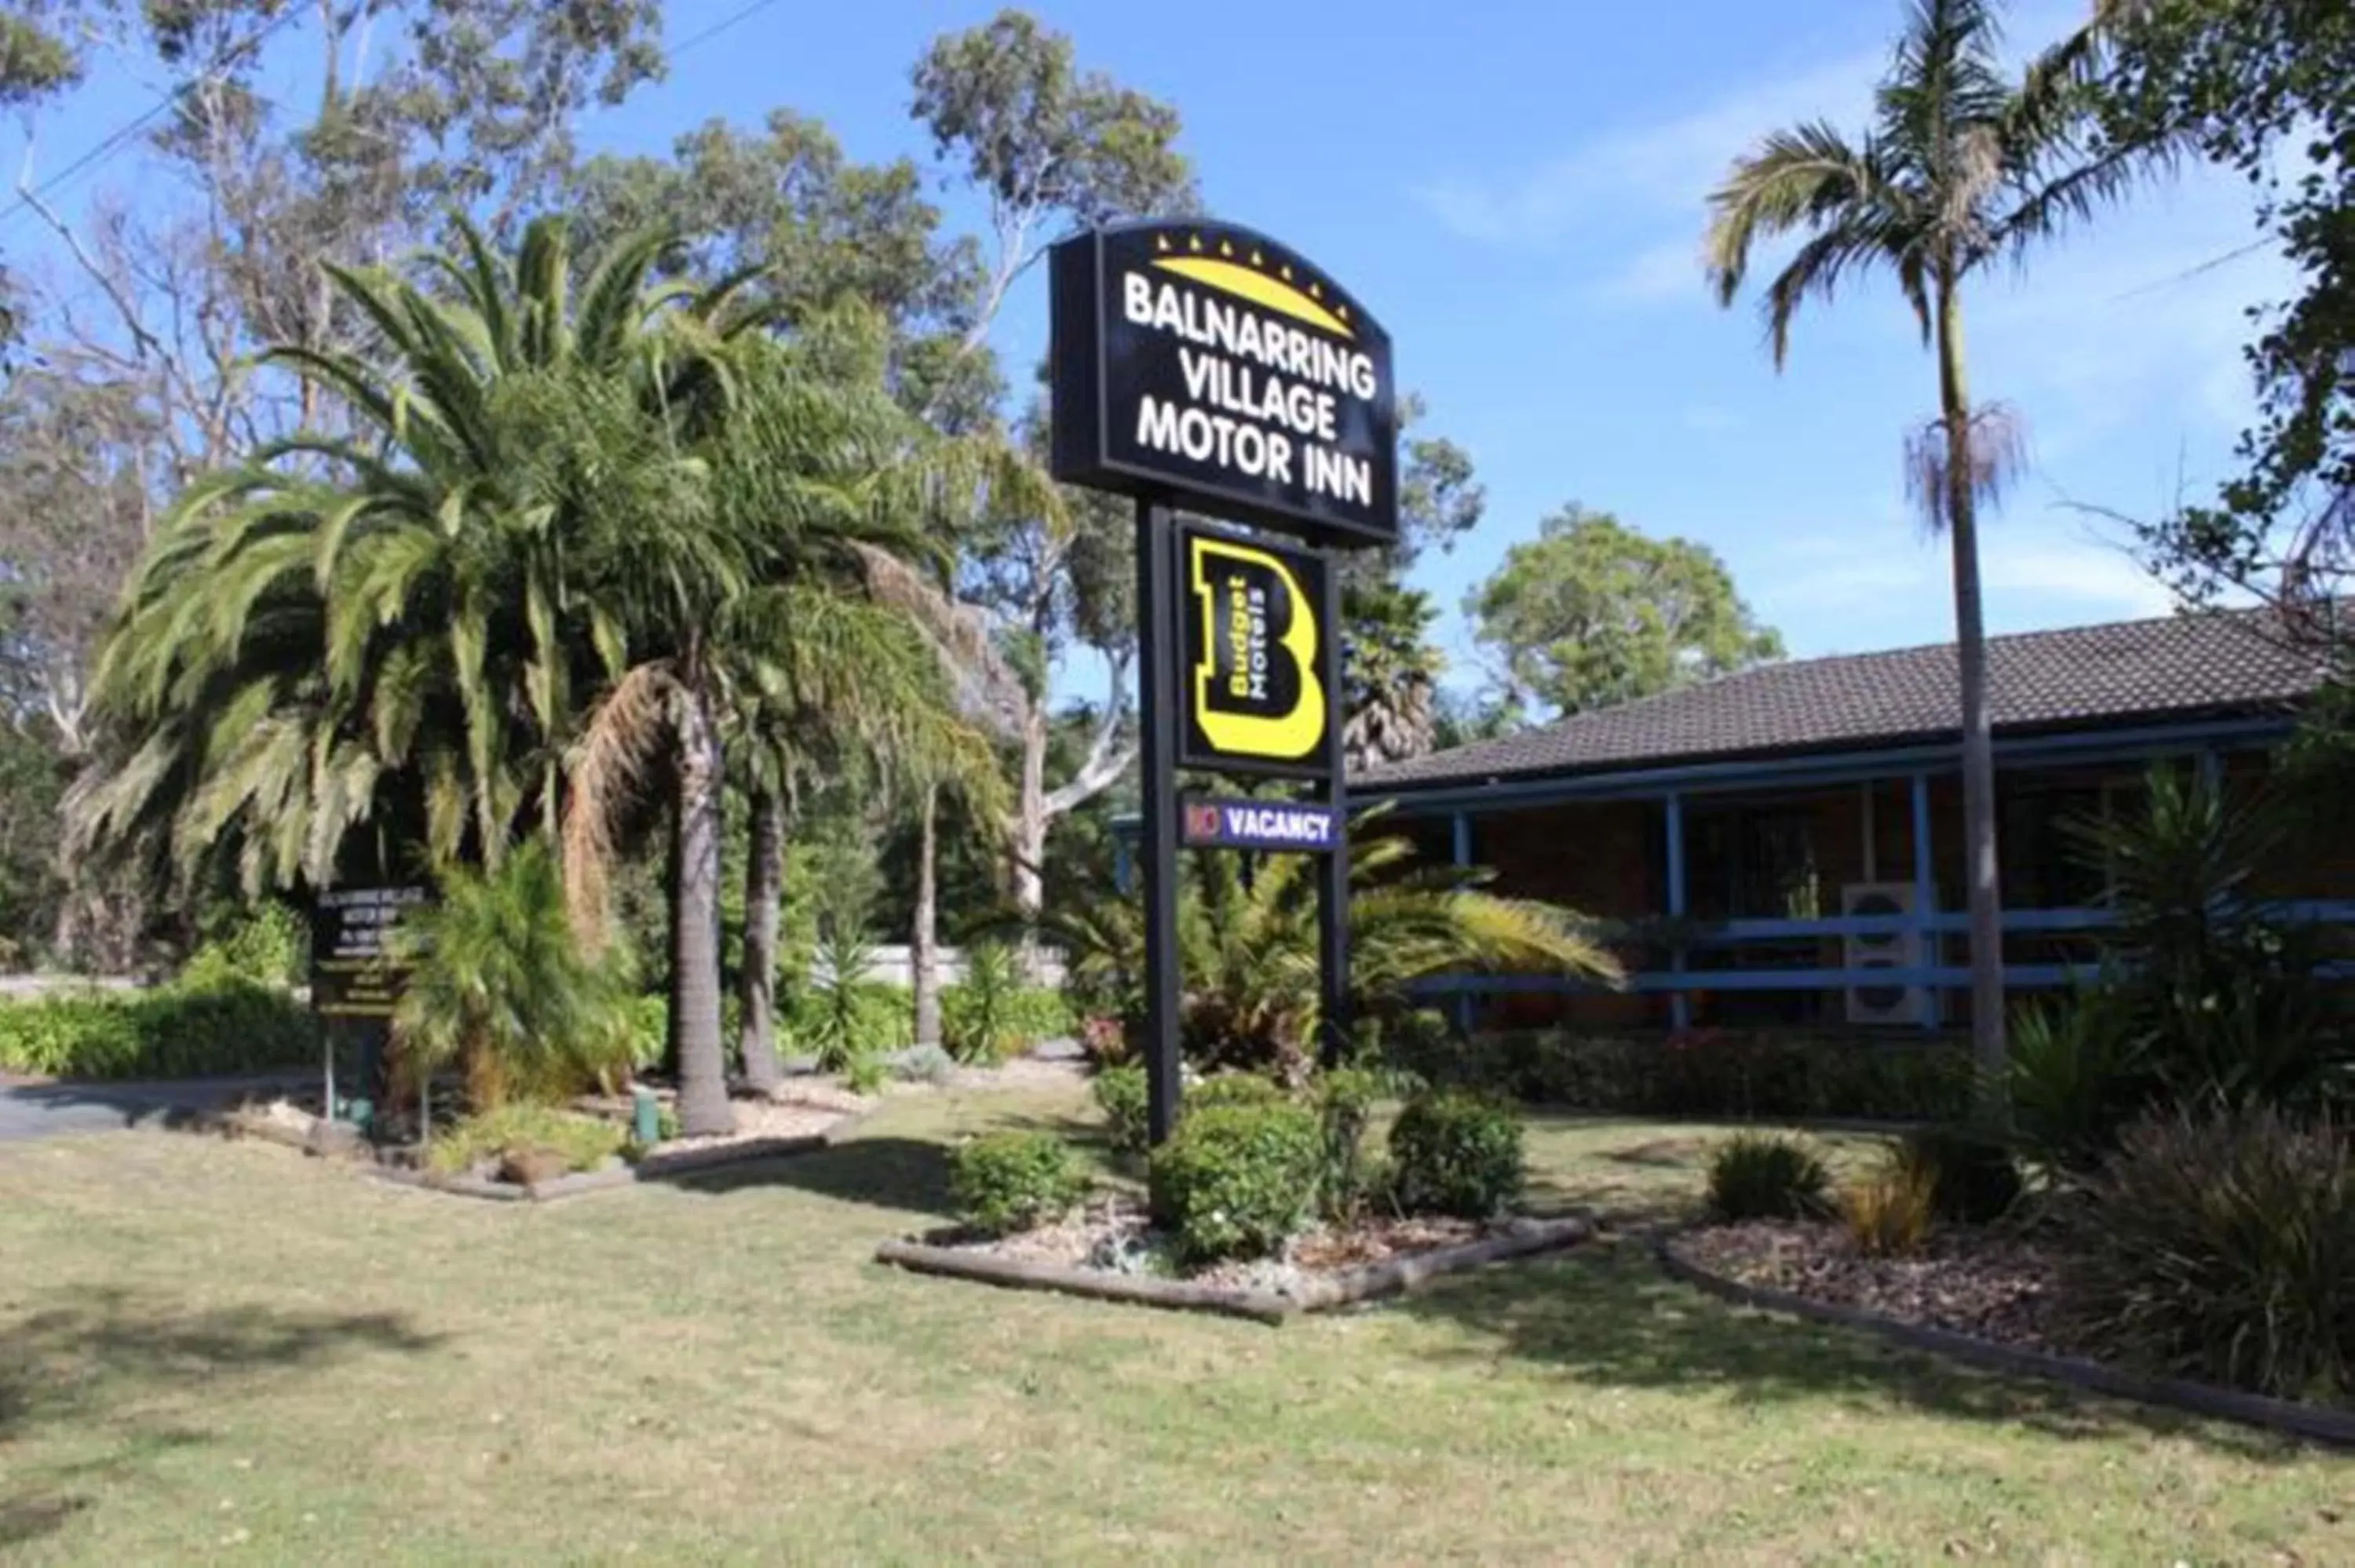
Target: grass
220 1349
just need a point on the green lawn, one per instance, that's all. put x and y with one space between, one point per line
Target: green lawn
214 1350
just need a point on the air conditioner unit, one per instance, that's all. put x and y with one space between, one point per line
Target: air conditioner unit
1895 950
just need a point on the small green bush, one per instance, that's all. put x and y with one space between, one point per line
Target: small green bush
2220 1245
174 1032
1970 1175
519 1127
1232 1089
1345 1100
980 1019
1455 1152
1120 1094
1010 1182
1767 1176
1238 1180
269 946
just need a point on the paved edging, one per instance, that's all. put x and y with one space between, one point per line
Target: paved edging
1367 1283
2282 1415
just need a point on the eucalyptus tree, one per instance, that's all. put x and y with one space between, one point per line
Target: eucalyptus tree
1965 165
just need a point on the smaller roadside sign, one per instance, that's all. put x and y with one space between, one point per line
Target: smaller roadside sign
1284 825
356 966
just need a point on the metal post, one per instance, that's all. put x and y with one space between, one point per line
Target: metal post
1926 944
1680 1000
1333 875
1157 677
1462 849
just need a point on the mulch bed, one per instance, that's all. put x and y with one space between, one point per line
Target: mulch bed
1115 1234
1988 1284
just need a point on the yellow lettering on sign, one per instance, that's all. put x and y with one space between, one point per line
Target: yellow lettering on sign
1286 737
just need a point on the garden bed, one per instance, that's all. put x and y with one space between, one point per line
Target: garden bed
766 1129
1110 1251
1979 1296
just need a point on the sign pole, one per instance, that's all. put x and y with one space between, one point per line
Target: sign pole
1333 875
1156 604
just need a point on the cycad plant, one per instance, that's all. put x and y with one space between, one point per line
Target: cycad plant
1964 167
501 987
1247 939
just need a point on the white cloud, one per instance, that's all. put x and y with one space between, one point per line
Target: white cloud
1667 166
1668 271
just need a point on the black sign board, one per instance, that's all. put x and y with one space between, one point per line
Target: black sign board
1207 361
355 968
1252 678
1294 826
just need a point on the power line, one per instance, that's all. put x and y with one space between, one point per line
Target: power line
743 14
122 136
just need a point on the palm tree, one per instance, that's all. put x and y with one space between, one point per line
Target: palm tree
385 631
1247 941
818 490
1392 673
499 985
1963 167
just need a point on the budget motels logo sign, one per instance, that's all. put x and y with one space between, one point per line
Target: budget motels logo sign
1209 361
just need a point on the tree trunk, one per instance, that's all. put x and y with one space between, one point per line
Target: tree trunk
703 1105
764 872
924 940
1978 751
1030 819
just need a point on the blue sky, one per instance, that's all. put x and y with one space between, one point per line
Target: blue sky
1516 190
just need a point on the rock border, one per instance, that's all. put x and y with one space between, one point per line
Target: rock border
656 1166
1372 1282
2283 1417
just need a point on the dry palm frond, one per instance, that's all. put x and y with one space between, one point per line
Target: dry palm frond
1997 446
607 769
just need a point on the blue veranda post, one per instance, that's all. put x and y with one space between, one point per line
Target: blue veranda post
1156 620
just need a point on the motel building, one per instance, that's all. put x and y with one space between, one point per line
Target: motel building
1785 846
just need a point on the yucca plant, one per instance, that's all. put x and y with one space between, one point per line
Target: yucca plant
501 987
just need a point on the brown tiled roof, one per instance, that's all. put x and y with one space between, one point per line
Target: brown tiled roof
2179 667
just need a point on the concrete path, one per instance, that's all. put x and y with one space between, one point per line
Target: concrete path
29 1110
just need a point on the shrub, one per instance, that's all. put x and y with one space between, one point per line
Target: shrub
2221 1245
1104 1039
1767 1176
173 1032
924 1064
521 1128
979 1018
1230 1089
1238 1180
1456 1152
1010 1182
500 985
1345 1100
843 1019
1120 1094
1969 1175
2076 1075
1887 1213
269 947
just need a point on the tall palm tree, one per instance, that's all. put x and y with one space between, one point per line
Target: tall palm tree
1964 167
819 490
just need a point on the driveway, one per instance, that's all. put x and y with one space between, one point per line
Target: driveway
29 1110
